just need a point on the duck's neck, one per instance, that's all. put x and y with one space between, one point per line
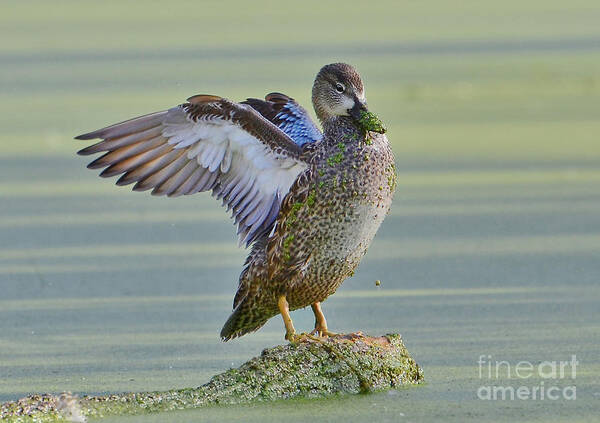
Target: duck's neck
337 124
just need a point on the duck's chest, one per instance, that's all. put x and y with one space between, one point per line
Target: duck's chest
353 188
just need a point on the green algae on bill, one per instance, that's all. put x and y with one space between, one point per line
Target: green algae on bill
369 121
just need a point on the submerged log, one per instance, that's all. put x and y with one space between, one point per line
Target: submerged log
312 368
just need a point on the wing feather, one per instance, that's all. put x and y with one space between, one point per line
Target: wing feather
161 158
208 143
287 115
121 141
119 154
241 190
215 163
189 183
172 184
156 179
133 162
130 126
207 184
147 172
226 163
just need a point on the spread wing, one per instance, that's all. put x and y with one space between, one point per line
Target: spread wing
288 116
208 143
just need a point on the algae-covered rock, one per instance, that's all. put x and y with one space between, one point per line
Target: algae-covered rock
312 368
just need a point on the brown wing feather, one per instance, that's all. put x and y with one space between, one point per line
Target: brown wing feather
248 119
270 106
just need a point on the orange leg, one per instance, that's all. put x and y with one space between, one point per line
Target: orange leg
284 309
320 322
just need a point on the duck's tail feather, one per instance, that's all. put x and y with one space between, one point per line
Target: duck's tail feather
248 316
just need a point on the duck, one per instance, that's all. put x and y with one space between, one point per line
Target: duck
307 202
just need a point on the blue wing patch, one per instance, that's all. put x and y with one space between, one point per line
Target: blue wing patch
289 116
297 124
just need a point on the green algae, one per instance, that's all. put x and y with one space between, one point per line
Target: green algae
392 178
287 242
335 159
352 136
292 218
338 157
313 368
369 121
298 205
312 197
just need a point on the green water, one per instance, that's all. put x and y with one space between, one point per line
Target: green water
492 247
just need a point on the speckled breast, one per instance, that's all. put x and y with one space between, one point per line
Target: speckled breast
350 196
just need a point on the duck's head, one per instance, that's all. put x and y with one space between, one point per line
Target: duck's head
338 91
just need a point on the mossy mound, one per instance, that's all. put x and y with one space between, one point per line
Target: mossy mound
313 368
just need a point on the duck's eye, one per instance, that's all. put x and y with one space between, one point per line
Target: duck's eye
340 87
